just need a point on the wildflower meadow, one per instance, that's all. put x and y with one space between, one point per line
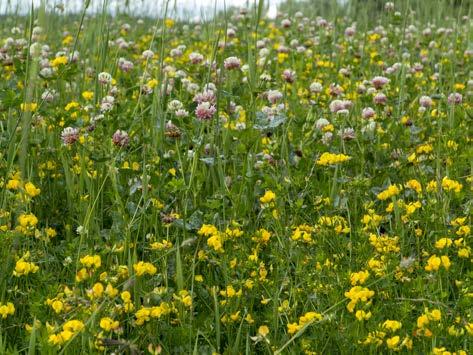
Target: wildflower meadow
299 183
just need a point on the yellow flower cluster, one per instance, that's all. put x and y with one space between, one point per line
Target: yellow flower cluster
359 278
358 294
61 60
332 159
303 232
27 223
141 268
392 325
108 324
414 185
56 304
384 244
444 351
215 239
391 190
424 320
230 292
338 223
434 263
23 267
91 261
144 314
7 309
69 330
207 230
184 297
31 190
307 318
268 197
127 302
163 245
371 220
451 185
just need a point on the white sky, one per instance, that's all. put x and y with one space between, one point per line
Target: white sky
187 8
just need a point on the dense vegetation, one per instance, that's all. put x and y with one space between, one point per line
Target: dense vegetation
293 185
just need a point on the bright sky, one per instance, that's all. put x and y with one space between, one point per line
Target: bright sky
187 8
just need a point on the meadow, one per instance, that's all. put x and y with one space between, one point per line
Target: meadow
242 185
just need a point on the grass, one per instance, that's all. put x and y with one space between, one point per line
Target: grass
323 205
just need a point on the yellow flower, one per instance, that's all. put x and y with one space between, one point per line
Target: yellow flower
142 315
414 185
23 268
111 291
27 220
263 331
459 221
96 291
13 184
109 324
73 325
169 22
293 328
392 325
332 159
262 236
249 319
362 315
268 197
464 253
29 107
308 317
50 232
469 328
443 242
90 261
7 309
31 190
392 190
216 242
71 106
235 316
152 83
451 185
67 40
82 275
392 342
61 338
70 328
357 294
125 296
422 321
282 57
187 300
433 264
207 230
142 268
88 95
230 292
463 230
56 305
61 60
445 261
436 315
432 186
359 277
165 244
